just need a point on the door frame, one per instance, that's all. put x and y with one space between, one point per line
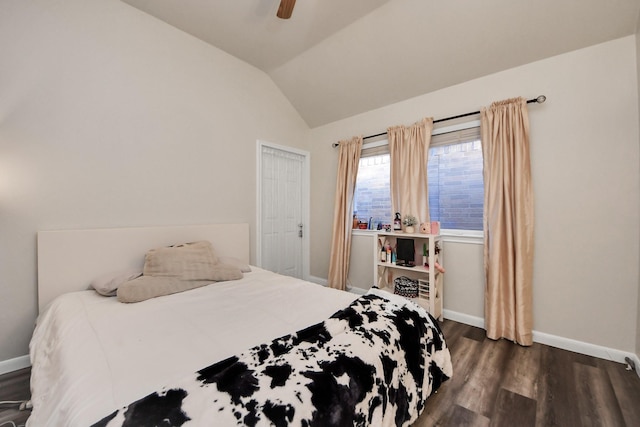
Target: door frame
306 177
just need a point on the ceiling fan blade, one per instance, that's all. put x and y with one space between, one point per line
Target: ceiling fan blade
286 9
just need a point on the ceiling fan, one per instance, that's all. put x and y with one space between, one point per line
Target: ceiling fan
285 9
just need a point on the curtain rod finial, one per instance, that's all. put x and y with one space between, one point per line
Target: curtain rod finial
336 144
541 99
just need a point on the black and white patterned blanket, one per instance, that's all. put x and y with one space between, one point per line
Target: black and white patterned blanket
372 363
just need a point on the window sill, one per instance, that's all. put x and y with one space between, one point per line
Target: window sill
358 232
463 236
455 236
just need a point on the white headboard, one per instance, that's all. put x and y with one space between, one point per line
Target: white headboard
68 260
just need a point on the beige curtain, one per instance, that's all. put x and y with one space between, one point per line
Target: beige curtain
409 153
508 221
348 160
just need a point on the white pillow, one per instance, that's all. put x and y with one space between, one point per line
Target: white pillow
108 283
243 266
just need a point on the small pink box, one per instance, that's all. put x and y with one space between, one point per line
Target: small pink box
435 227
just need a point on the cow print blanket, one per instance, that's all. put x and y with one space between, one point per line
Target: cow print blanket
372 363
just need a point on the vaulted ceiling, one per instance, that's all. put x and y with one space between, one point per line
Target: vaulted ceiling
336 58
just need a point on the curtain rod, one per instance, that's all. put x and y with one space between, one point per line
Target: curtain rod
540 99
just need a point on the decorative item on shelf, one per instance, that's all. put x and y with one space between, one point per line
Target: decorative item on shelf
405 287
397 223
409 221
355 220
435 227
425 228
436 250
425 255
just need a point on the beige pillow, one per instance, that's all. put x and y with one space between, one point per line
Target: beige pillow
146 287
188 261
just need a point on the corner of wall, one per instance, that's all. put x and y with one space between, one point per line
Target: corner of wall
638 302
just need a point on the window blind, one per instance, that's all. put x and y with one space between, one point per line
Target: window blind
469 131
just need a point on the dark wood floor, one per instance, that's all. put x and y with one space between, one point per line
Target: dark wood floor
495 383
498 383
14 386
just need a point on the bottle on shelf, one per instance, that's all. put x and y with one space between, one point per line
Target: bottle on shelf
397 222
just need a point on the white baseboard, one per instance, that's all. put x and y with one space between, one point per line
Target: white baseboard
324 282
478 322
14 364
582 347
556 341
318 280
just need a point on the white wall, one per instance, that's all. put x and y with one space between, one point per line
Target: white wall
584 148
109 117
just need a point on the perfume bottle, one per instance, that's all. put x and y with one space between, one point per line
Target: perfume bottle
397 223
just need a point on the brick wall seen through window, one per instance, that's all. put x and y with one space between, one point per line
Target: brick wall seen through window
456 192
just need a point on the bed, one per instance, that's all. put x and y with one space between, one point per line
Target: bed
262 349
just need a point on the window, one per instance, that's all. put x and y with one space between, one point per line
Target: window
456 189
372 199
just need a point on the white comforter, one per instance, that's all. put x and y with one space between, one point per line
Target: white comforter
91 354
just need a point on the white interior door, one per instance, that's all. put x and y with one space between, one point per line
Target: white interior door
282 210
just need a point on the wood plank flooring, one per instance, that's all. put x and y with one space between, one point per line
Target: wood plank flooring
498 383
14 386
495 383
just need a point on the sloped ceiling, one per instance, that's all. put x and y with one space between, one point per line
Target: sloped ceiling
337 58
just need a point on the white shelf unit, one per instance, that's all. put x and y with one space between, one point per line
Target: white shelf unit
430 280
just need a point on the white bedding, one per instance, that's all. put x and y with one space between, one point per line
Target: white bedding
91 354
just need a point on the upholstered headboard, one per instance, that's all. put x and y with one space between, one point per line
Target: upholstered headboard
68 260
